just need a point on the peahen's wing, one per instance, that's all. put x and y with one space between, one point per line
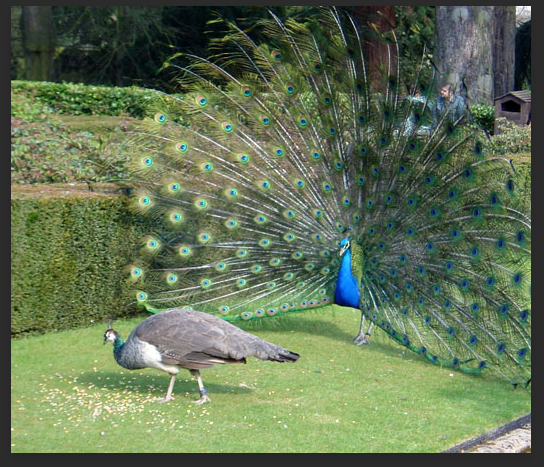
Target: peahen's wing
191 337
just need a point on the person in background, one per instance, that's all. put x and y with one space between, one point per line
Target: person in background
448 102
454 104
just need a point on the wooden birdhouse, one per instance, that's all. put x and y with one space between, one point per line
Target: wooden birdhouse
514 106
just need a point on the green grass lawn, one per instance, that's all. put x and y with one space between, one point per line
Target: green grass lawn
69 395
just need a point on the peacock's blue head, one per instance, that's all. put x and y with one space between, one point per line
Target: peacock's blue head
344 246
347 237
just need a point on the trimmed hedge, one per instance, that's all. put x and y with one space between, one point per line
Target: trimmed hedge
80 99
68 259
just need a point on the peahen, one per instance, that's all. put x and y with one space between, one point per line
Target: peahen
192 340
290 177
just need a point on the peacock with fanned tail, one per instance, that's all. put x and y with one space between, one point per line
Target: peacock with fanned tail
287 179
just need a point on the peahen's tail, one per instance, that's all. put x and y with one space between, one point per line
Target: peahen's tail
279 152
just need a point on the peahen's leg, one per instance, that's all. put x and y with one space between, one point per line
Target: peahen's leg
362 338
203 396
168 396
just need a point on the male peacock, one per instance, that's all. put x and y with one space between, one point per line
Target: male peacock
192 340
286 182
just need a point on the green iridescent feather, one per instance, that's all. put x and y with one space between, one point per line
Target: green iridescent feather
277 152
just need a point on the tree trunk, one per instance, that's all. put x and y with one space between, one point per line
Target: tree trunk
504 22
464 38
523 57
380 58
38 42
122 17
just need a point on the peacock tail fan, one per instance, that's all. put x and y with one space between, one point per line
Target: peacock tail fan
279 151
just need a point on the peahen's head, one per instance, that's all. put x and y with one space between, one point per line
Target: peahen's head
110 336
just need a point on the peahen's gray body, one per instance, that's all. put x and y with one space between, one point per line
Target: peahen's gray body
192 340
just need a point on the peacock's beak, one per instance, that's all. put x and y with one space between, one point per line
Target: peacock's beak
343 249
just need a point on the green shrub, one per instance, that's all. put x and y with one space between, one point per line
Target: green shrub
513 139
46 151
79 99
24 107
68 259
484 116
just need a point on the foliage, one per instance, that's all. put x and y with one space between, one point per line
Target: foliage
79 99
512 139
17 60
112 45
47 151
484 116
415 34
119 45
126 45
24 106
64 244
69 395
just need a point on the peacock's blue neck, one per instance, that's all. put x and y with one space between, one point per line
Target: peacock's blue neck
347 286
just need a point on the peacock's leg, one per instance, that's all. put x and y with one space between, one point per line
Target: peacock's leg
203 396
362 337
168 396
